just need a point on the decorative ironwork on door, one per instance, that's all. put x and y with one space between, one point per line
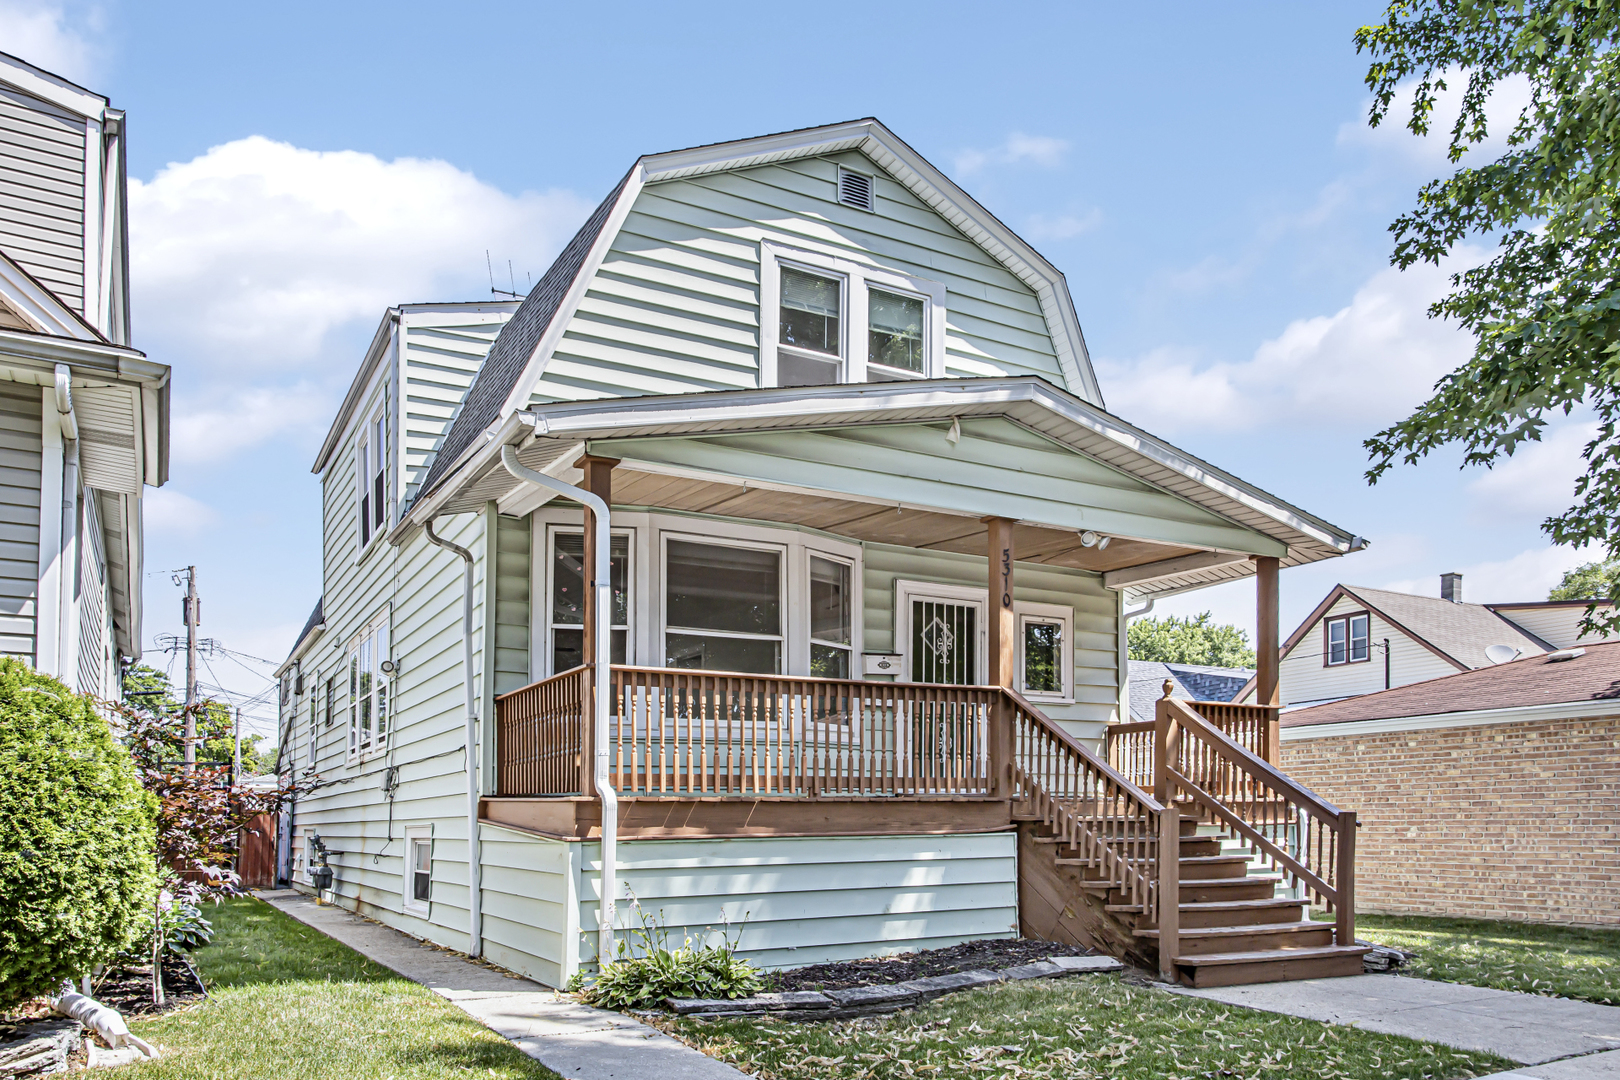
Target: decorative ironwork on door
944 642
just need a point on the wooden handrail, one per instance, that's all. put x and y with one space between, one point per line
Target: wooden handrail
1291 827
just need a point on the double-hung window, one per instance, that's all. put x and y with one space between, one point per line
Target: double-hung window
418 885
829 320
371 477
1346 639
568 587
723 606
368 690
1045 651
831 618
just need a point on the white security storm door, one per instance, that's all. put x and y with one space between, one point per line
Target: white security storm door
943 636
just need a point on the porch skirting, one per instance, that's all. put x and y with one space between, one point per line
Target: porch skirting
786 901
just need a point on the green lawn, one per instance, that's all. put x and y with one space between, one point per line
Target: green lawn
290 1002
1076 1029
1531 957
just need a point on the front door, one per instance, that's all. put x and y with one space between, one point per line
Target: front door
945 640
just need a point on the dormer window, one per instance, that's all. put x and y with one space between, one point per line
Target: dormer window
1347 640
838 321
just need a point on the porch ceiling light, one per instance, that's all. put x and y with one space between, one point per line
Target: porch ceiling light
1096 540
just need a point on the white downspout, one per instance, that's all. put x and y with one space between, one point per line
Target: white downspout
67 649
475 889
603 585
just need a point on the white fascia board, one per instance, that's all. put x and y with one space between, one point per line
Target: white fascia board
41 307
41 84
357 389
540 358
1522 714
914 172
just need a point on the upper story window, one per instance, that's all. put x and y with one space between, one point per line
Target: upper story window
1346 639
837 321
371 478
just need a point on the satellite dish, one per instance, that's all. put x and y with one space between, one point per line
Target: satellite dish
1501 654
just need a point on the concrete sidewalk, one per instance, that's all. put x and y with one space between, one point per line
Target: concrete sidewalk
573 1040
1559 1039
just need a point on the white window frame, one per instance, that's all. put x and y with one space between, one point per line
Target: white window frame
1347 620
857 279
316 702
416 834
905 592
543 618
784 573
359 747
1028 612
813 552
370 461
301 858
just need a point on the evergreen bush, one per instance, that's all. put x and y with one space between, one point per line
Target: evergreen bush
77 838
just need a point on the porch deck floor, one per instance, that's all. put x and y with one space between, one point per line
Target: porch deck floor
573 1040
1521 1027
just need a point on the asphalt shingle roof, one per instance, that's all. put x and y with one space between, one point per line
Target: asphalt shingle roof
1533 680
1461 631
1192 683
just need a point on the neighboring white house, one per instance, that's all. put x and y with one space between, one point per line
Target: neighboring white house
867 513
1361 641
84 417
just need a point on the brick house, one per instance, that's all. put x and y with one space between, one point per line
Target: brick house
1492 793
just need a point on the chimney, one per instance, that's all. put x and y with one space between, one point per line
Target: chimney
1451 587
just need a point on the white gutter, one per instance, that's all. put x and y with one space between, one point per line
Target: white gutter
475 889
603 637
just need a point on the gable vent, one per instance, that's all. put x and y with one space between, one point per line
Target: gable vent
855 189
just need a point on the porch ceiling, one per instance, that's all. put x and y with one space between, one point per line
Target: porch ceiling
1198 537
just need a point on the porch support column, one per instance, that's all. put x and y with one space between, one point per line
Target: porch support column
598 480
1002 630
1265 648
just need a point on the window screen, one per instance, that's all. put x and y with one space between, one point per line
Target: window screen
723 607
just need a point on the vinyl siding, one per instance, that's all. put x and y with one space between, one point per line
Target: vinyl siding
21 453
513 560
42 165
1305 678
442 350
675 305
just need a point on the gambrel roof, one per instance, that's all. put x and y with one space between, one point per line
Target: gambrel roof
504 382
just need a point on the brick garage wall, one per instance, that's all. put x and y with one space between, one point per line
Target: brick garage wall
1507 821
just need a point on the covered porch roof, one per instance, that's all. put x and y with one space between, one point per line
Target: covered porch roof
916 464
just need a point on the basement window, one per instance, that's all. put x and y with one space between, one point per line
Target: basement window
417 889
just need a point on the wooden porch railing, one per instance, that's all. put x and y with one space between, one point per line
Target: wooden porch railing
1306 837
705 733
1129 747
1114 823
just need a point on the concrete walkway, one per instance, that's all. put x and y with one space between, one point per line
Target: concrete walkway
1559 1039
573 1040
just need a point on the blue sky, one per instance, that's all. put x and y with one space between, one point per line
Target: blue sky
1202 174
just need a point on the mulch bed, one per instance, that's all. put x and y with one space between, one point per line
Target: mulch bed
991 954
129 990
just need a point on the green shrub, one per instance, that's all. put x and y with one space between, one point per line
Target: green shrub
643 981
77 837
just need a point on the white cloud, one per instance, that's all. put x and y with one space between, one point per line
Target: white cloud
1367 364
1017 149
1429 152
42 35
168 512
1539 479
253 253
211 427
1524 577
1061 226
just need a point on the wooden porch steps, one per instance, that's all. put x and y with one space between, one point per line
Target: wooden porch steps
1270 965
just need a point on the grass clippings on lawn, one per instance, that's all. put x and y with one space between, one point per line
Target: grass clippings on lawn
1533 958
1074 1029
289 1002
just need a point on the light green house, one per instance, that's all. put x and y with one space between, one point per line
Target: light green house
873 540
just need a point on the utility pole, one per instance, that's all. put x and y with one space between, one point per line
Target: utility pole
236 745
192 615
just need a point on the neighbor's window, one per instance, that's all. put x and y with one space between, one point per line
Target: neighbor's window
894 331
831 633
1347 639
723 607
809 333
368 690
568 599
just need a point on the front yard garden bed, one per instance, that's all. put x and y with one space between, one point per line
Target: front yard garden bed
1084 1028
985 954
1533 958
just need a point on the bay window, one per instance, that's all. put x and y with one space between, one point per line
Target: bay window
827 320
831 633
723 606
567 606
